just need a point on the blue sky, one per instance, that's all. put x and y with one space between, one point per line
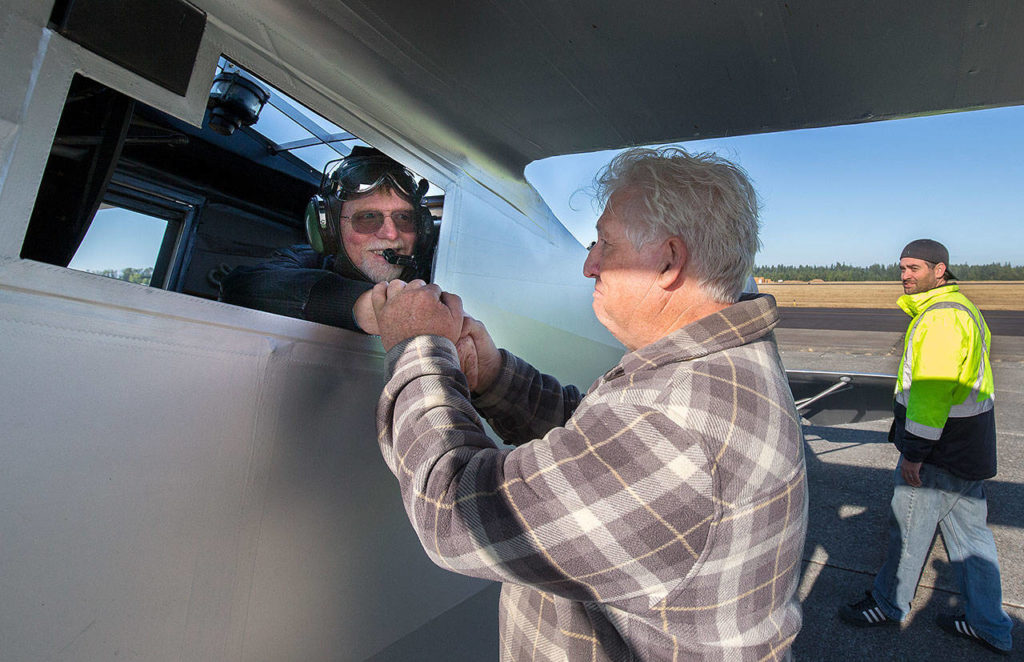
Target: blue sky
857 194
852 194
117 239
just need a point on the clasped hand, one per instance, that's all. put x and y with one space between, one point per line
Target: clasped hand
405 310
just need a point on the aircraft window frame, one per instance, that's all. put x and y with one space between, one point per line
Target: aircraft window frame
322 137
135 251
315 130
178 208
230 198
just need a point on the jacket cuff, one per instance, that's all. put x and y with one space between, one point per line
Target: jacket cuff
437 347
331 301
915 448
499 389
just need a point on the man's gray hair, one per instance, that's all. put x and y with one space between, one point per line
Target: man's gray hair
702 198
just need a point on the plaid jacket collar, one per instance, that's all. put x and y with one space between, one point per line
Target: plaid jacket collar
752 317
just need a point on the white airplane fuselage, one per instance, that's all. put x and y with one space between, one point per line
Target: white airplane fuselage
188 480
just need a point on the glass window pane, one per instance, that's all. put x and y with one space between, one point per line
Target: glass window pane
279 127
316 156
121 244
328 126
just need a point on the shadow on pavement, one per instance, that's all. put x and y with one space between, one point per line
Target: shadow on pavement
850 479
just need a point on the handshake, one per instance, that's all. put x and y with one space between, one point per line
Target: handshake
406 310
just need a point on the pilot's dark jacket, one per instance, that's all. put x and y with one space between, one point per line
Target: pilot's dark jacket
661 517
298 282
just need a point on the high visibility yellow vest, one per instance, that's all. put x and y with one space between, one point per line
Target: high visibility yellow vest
945 370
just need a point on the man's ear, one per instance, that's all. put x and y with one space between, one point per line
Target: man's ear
674 257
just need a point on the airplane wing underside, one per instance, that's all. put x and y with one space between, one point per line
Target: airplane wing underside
530 79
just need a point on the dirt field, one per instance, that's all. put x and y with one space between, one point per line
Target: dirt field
988 295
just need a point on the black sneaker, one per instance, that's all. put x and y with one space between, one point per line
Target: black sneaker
865 613
959 626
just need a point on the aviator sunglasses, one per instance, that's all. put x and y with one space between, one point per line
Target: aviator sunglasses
370 221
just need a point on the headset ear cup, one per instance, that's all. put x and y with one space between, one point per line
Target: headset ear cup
313 224
321 230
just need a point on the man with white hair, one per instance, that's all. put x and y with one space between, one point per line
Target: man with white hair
663 515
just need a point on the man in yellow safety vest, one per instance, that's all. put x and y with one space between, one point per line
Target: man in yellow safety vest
944 428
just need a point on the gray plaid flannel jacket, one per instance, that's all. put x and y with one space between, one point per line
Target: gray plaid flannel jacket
661 517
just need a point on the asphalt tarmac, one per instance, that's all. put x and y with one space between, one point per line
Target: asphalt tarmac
1000 322
850 469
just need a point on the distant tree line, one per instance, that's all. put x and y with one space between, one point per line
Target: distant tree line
141 276
840 271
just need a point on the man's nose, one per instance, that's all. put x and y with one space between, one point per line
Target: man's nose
387 229
591 266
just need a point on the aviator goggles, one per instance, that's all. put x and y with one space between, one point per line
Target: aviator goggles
357 176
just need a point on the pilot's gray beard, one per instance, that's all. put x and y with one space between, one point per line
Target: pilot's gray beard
379 273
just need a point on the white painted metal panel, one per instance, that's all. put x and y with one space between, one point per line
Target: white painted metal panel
179 488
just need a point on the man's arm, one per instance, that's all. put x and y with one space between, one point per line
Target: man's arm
295 283
596 510
584 512
518 401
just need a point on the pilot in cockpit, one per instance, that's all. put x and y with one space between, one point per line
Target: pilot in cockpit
366 225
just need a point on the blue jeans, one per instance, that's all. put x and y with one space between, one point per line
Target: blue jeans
958 507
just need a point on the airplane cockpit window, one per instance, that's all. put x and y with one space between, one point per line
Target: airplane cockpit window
133 193
121 236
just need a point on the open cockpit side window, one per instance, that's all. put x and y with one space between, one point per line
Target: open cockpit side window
122 235
136 194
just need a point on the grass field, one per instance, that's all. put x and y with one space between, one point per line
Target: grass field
987 295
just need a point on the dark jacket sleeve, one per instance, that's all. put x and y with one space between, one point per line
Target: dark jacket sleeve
295 282
911 446
967 447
